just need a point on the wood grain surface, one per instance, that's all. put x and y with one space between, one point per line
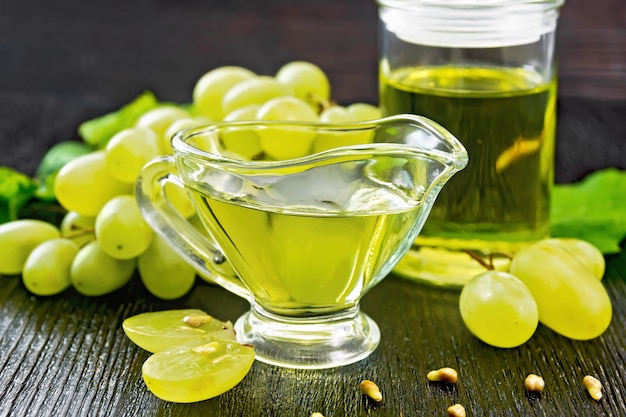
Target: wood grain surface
66 61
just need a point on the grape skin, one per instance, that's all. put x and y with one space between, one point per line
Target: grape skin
499 309
244 143
18 238
256 90
47 268
129 150
571 300
179 198
339 114
281 143
365 111
210 89
95 273
121 230
164 273
159 120
175 127
585 252
309 82
84 185
78 228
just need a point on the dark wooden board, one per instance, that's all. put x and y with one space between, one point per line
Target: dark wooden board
65 61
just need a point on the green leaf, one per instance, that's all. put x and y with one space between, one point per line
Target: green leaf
45 187
60 154
57 156
97 132
16 189
593 209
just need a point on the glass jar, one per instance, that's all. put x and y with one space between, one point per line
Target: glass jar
485 70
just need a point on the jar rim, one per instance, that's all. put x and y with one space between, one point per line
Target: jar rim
473 4
470 23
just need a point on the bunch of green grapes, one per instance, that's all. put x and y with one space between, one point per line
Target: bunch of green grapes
103 239
299 91
556 282
100 242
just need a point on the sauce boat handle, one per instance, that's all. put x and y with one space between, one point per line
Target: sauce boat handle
197 249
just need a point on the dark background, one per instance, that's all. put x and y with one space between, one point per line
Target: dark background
65 61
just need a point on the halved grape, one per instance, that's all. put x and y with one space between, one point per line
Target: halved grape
196 371
499 309
160 330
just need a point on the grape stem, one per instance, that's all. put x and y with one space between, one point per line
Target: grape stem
322 103
488 262
79 233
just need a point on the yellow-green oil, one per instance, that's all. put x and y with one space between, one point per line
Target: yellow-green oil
306 262
506 120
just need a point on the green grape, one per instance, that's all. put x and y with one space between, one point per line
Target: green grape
210 89
121 230
244 143
308 81
164 272
129 150
585 252
47 268
499 309
159 119
224 268
84 185
364 112
196 222
256 90
78 228
95 273
176 126
571 300
161 330
18 238
179 198
283 142
197 371
337 114
329 140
